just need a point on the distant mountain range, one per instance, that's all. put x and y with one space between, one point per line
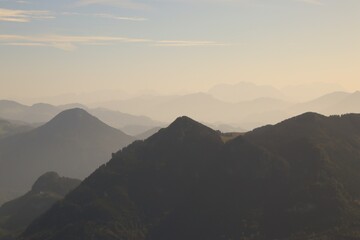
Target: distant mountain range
267 107
41 113
295 180
199 105
230 92
17 214
74 144
244 114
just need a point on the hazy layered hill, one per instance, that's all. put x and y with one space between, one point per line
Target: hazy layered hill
147 134
294 180
17 214
308 91
167 108
30 114
262 109
124 121
8 128
322 103
348 104
255 108
74 144
244 91
41 113
202 106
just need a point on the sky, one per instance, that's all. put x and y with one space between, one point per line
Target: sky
51 47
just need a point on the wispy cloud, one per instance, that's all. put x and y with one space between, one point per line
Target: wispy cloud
25 44
108 16
177 43
71 42
23 16
118 3
64 42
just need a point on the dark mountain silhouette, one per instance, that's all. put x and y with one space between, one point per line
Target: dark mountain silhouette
74 144
294 180
17 214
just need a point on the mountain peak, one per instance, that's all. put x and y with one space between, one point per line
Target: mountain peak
43 180
310 116
78 112
186 123
52 182
184 120
185 128
74 118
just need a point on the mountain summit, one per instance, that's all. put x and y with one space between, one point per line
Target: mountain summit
80 122
73 117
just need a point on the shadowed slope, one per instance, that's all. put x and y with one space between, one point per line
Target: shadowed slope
294 180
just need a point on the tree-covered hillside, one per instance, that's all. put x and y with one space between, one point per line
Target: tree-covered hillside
295 180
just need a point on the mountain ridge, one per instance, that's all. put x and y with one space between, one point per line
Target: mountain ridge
286 181
42 112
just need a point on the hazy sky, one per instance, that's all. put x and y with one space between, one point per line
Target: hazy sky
49 47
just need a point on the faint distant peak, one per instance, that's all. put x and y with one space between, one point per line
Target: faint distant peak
356 93
334 95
